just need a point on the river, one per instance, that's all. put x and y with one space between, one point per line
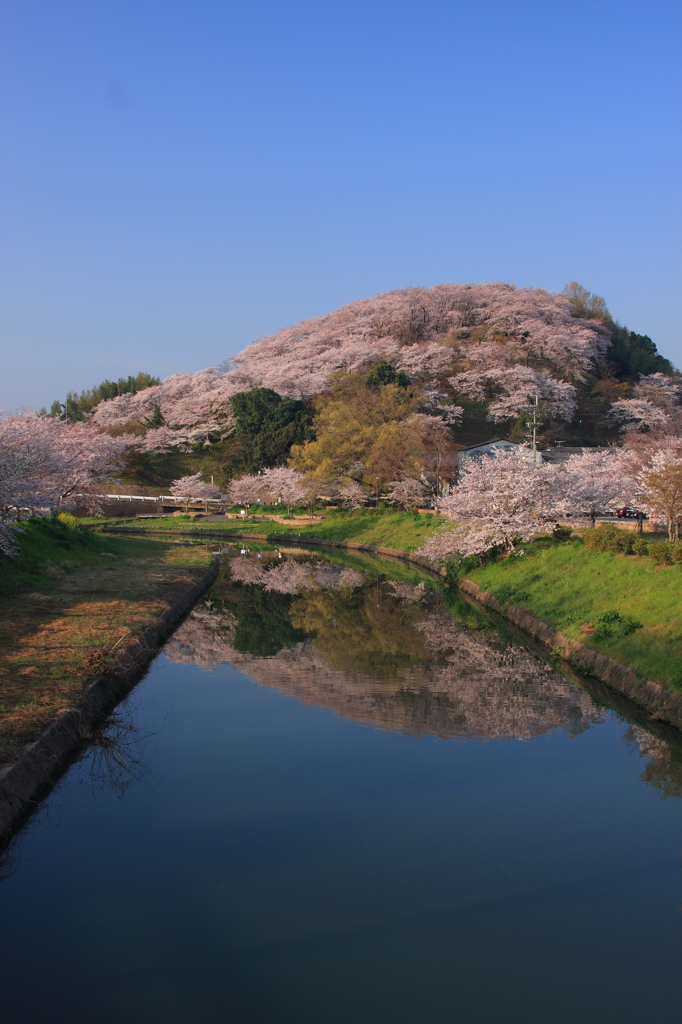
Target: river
342 795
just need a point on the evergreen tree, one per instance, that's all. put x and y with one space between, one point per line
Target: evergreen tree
77 406
633 355
267 426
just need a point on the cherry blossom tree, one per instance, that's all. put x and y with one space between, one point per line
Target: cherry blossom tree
184 411
286 485
661 389
193 488
655 408
511 389
596 480
406 493
353 494
408 326
44 462
247 490
499 501
641 413
277 485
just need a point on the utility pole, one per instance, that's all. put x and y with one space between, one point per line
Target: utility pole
439 456
533 426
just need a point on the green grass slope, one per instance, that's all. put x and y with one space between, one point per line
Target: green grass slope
404 531
571 587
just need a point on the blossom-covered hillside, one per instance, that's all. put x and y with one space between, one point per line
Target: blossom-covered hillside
491 342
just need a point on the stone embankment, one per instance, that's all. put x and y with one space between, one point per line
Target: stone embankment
24 783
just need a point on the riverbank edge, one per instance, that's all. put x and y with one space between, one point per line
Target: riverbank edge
662 703
657 699
26 782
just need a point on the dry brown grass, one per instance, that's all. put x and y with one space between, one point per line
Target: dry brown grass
57 639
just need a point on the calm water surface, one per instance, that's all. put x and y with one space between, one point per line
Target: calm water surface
334 800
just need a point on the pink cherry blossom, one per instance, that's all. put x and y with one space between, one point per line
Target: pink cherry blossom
272 486
406 493
641 412
193 487
428 333
497 502
596 481
511 389
43 461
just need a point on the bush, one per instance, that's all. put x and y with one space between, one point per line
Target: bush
640 547
69 521
609 538
614 624
662 553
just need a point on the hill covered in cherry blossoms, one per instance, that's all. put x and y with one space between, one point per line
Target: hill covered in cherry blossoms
481 351
423 331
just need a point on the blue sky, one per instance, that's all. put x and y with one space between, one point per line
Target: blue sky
180 177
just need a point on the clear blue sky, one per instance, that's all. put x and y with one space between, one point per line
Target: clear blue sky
182 176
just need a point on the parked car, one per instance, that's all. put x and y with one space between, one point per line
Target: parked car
630 513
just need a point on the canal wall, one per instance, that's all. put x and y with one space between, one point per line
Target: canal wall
26 782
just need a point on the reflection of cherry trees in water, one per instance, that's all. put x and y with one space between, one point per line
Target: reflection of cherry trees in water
389 656
292 575
663 763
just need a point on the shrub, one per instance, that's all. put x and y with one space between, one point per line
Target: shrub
662 553
66 519
609 538
640 547
614 624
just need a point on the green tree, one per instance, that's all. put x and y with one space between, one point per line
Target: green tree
77 406
383 373
633 354
586 304
362 431
267 426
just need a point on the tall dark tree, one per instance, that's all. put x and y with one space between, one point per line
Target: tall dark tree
634 354
267 426
383 373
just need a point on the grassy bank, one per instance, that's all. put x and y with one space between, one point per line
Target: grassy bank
67 603
402 530
625 606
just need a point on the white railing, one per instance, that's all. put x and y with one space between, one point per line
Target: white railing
143 497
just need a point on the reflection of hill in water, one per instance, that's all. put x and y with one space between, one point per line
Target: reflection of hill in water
399 666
